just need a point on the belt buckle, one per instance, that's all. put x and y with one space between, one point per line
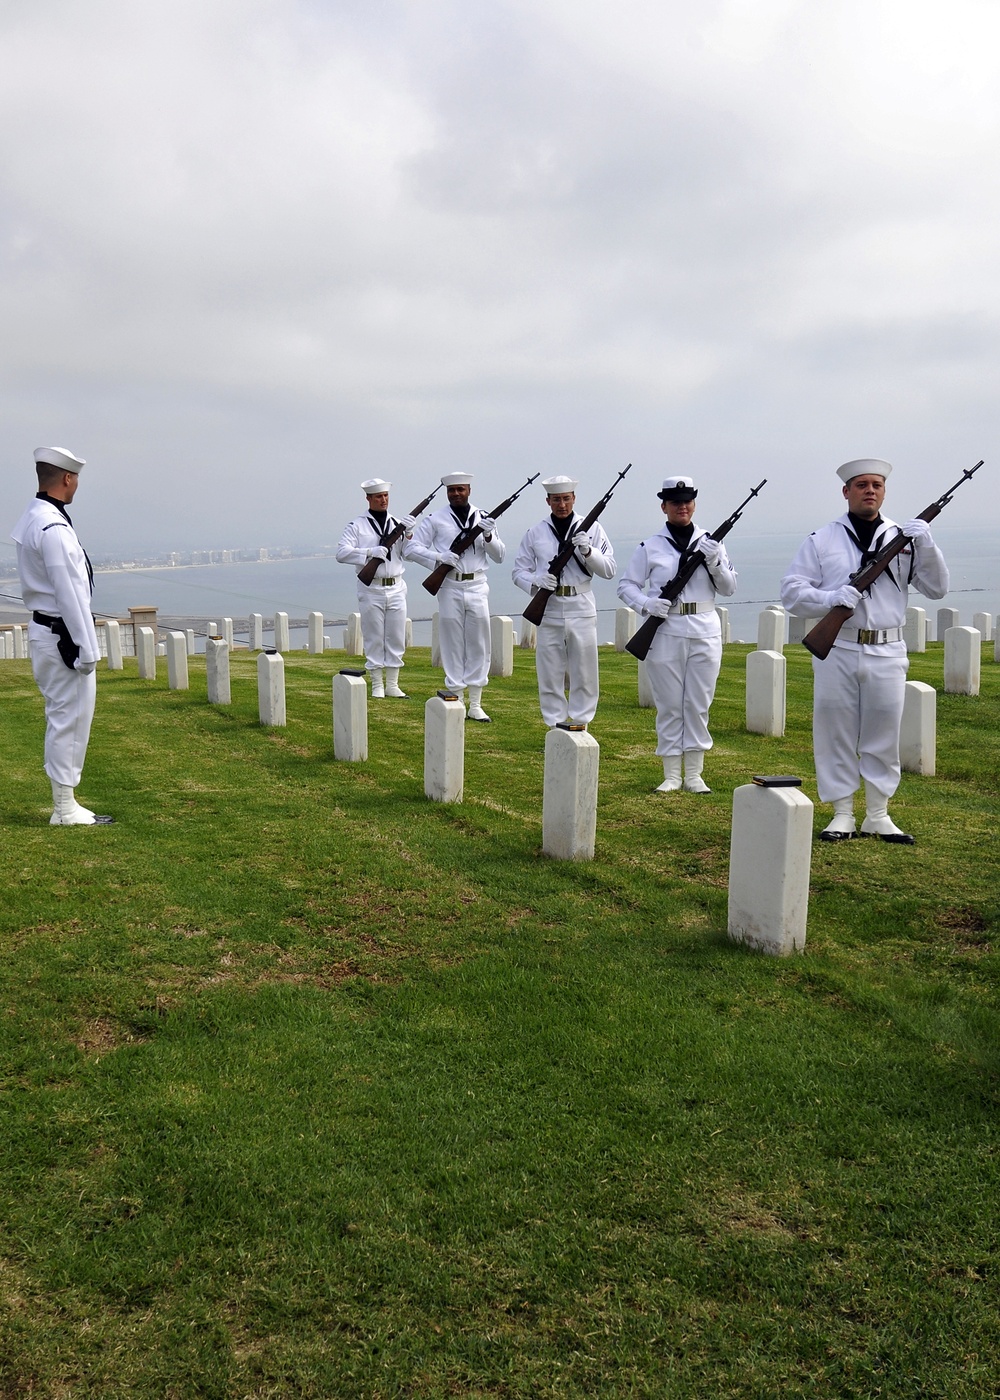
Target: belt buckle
867 636
686 609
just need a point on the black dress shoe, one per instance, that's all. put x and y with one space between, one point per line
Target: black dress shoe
895 838
837 835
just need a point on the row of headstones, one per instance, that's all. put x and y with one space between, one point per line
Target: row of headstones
771 832
14 643
766 687
775 627
771 843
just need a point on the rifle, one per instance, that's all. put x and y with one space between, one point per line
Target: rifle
540 600
467 537
369 569
822 637
642 639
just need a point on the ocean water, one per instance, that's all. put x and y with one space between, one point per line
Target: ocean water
198 594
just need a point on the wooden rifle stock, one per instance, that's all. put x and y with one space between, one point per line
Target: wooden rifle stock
642 638
821 638
466 538
535 610
369 569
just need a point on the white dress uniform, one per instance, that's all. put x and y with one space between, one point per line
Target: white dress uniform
566 647
464 597
383 603
858 690
686 655
56 582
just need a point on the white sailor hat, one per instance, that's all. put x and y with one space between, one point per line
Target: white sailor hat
375 486
457 479
864 466
678 489
559 485
60 457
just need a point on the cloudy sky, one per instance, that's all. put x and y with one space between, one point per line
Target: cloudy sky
255 250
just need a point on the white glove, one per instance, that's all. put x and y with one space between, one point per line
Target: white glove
918 531
846 597
581 541
712 549
408 522
547 581
378 552
657 607
449 558
86 668
487 524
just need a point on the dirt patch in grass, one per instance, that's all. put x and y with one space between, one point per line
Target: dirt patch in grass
101 1035
742 1215
962 920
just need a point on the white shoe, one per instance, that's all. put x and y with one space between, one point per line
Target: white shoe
476 710
877 821
842 826
392 684
694 760
378 683
671 774
68 812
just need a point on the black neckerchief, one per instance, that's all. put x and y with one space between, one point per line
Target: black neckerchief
461 513
384 525
61 508
680 537
562 529
862 534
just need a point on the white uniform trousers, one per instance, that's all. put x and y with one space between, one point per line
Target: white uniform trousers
464 632
682 672
566 648
69 707
383 624
857 710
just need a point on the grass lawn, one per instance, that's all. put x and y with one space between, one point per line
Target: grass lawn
312 1087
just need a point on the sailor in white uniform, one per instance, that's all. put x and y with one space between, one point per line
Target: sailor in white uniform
464 597
566 645
56 584
686 654
382 603
858 689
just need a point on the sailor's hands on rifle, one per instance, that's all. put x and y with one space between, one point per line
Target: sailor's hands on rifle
488 525
547 581
846 597
581 542
408 522
449 559
377 551
918 531
657 607
712 549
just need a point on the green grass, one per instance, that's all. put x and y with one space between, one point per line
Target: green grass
314 1088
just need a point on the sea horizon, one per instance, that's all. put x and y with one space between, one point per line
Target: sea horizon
193 594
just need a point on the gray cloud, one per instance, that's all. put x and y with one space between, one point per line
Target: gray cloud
251 250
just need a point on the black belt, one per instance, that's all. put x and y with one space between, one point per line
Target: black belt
68 649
